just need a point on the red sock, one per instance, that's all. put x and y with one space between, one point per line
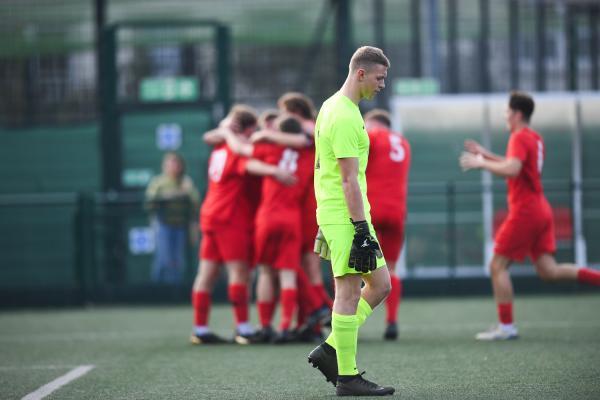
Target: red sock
505 313
323 295
201 304
288 306
393 300
304 308
265 312
589 276
308 295
238 296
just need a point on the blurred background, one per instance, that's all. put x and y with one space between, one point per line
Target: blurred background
93 93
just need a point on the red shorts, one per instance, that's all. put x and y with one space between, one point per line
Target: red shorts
226 244
278 245
521 236
390 234
309 223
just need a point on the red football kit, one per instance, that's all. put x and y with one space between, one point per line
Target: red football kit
278 236
227 213
309 209
387 179
529 228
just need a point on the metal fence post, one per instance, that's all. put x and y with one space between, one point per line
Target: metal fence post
579 239
84 244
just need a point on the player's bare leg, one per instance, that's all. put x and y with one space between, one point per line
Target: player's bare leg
237 273
392 303
208 272
503 295
549 270
265 302
289 302
377 286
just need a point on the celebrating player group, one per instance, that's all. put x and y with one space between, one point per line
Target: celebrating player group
286 187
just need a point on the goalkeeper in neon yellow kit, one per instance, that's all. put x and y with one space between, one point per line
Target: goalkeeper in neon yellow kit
345 230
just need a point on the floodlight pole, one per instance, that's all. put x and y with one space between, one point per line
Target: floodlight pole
343 38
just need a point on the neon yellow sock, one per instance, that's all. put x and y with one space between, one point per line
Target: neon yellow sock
363 311
344 329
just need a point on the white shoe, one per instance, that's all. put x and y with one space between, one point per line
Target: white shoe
498 333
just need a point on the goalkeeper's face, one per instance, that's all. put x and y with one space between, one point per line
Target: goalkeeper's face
372 80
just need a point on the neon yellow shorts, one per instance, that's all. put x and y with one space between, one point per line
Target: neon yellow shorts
339 239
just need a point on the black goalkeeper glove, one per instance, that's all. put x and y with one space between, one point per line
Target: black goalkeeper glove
365 250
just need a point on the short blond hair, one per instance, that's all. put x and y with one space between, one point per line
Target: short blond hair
367 56
379 115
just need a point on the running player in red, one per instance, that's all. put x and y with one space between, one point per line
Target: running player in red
528 229
278 226
226 220
387 180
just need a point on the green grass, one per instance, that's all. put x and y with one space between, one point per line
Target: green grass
143 353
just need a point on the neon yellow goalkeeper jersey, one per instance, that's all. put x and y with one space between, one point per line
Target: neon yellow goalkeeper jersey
339 133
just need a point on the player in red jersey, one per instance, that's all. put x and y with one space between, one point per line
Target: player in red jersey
528 230
387 180
226 221
278 227
302 107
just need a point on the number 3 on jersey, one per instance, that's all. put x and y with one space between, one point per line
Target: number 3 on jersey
289 161
397 153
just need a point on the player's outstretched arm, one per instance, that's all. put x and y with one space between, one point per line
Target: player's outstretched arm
292 140
238 144
473 147
214 137
506 168
257 167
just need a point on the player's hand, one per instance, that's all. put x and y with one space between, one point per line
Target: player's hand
285 177
308 126
321 247
473 147
365 250
470 161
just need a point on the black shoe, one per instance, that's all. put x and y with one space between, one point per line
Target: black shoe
320 315
324 358
359 386
285 336
391 332
207 338
311 336
264 335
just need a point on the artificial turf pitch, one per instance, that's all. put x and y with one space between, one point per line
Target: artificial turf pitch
144 353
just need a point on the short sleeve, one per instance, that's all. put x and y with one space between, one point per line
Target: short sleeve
517 148
345 137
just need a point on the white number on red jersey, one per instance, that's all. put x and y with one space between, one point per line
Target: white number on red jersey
540 156
217 164
397 153
289 161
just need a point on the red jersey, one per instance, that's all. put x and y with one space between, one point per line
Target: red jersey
278 201
387 170
227 201
525 191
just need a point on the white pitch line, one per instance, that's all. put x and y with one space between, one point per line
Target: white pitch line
58 382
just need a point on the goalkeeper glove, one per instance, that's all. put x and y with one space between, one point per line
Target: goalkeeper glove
321 247
365 250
